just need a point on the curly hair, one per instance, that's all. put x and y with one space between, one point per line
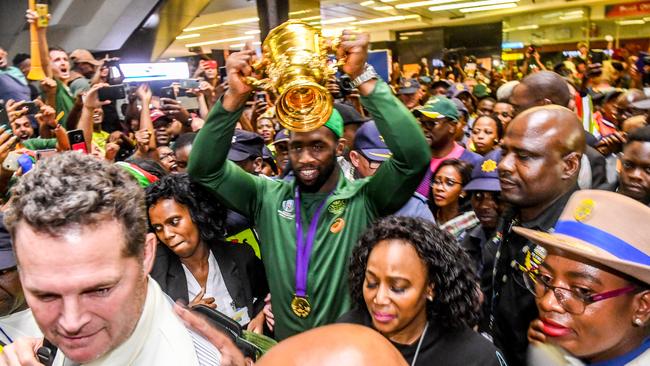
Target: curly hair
75 190
205 211
456 301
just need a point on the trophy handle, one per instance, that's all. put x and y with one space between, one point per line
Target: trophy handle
260 84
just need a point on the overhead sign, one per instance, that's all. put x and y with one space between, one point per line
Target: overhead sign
628 9
155 71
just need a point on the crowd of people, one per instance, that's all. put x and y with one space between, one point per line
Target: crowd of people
454 216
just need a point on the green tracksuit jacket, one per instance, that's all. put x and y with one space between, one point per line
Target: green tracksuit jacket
346 214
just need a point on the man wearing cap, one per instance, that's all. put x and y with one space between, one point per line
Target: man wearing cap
538 171
590 278
352 120
369 151
484 190
84 66
281 143
246 151
16 320
462 92
408 92
439 119
440 87
308 226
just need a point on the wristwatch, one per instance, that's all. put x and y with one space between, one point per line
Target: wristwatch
348 84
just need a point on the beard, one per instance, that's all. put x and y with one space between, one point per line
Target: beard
324 173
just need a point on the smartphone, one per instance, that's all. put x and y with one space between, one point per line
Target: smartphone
77 142
597 56
260 96
190 84
46 353
223 74
32 108
42 11
189 102
4 117
112 92
45 153
11 161
167 92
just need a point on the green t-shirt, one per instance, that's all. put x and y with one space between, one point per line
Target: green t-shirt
64 101
39 143
348 211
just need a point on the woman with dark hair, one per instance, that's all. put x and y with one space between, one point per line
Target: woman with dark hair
487 133
412 283
449 198
195 264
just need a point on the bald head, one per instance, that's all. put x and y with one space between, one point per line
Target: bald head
334 345
540 88
558 127
541 156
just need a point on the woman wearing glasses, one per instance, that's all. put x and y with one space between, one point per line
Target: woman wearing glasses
591 280
412 283
447 192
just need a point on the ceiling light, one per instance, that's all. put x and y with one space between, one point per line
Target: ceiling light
527 27
186 36
226 40
233 22
298 12
238 45
631 22
338 20
256 31
335 32
489 7
403 38
416 33
383 8
367 3
424 3
396 18
570 17
388 1
201 27
311 18
242 21
471 4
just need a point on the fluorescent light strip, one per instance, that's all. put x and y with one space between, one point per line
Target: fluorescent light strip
388 1
234 22
238 45
424 3
383 8
310 18
571 17
300 12
631 22
387 19
338 20
367 3
471 4
186 36
489 7
244 38
416 33
257 31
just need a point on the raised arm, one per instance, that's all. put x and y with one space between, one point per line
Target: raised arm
209 164
91 101
397 179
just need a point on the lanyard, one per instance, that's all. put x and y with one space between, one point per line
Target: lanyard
304 245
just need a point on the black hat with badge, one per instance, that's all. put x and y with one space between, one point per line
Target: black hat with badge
245 145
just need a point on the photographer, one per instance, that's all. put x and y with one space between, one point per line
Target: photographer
532 61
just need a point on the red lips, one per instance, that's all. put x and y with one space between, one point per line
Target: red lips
553 329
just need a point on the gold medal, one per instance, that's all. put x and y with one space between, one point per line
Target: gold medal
300 306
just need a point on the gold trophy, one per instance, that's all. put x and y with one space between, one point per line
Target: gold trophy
295 66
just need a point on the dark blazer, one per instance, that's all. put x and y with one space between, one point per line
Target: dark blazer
243 274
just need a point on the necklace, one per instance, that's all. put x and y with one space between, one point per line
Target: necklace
417 350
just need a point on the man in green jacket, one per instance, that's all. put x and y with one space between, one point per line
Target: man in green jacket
308 272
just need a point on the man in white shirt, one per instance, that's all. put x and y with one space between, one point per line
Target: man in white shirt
79 230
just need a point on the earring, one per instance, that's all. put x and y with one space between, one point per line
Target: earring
430 297
638 322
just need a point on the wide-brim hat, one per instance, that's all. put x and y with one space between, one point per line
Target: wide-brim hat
603 227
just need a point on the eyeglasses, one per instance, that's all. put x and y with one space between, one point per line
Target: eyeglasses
573 301
449 183
430 124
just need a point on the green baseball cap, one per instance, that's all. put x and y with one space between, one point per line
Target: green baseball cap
481 90
335 123
438 107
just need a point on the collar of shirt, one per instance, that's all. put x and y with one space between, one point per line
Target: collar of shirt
628 357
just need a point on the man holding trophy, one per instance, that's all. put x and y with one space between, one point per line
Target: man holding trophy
309 226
